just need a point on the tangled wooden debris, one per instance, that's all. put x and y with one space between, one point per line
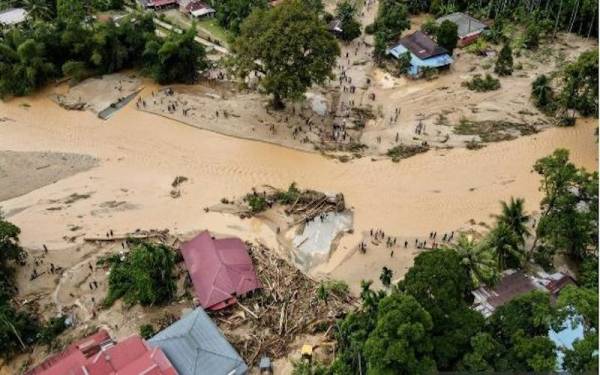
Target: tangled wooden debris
303 205
289 305
155 234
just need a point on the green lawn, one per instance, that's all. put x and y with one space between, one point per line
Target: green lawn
212 26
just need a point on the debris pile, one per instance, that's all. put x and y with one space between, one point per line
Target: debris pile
139 234
176 191
290 304
303 205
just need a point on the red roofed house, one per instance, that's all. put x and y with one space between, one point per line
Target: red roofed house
220 270
158 4
195 8
99 355
515 283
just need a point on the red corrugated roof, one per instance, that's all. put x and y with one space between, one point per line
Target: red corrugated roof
219 269
159 3
71 359
555 286
132 356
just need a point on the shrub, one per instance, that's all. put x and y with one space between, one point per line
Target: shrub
403 63
52 329
257 203
478 47
370 29
429 27
144 275
289 196
532 36
146 331
504 64
542 94
447 35
479 84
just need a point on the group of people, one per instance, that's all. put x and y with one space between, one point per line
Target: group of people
391 242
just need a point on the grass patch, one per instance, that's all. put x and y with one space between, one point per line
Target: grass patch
212 26
405 151
493 130
479 84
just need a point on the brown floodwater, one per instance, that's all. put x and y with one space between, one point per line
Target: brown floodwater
140 154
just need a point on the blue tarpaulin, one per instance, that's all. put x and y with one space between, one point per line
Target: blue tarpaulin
416 64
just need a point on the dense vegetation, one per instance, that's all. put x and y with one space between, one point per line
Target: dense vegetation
577 90
565 15
346 13
504 63
391 21
144 275
289 47
231 13
178 58
424 324
70 42
447 35
487 83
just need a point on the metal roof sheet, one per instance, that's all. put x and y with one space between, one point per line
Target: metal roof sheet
219 269
195 346
12 16
466 24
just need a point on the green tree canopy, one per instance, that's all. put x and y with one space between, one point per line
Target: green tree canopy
569 219
442 285
386 276
289 46
231 13
346 13
583 358
542 94
439 281
505 244
580 84
504 63
521 326
391 20
400 342
447 35
514 216
145 276
176 59
479 260
10 253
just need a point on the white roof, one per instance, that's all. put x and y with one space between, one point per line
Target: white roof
12 16
202 12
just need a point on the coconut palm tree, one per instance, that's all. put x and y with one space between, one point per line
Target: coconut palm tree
514 216
369 298
478 259
504 244
386 276
39 9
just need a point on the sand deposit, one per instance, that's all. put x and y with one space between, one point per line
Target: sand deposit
22 172
97 94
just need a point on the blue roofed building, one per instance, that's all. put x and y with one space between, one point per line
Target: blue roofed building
195 346
424 53
571 331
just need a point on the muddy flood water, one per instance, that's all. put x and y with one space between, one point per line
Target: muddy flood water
140 154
